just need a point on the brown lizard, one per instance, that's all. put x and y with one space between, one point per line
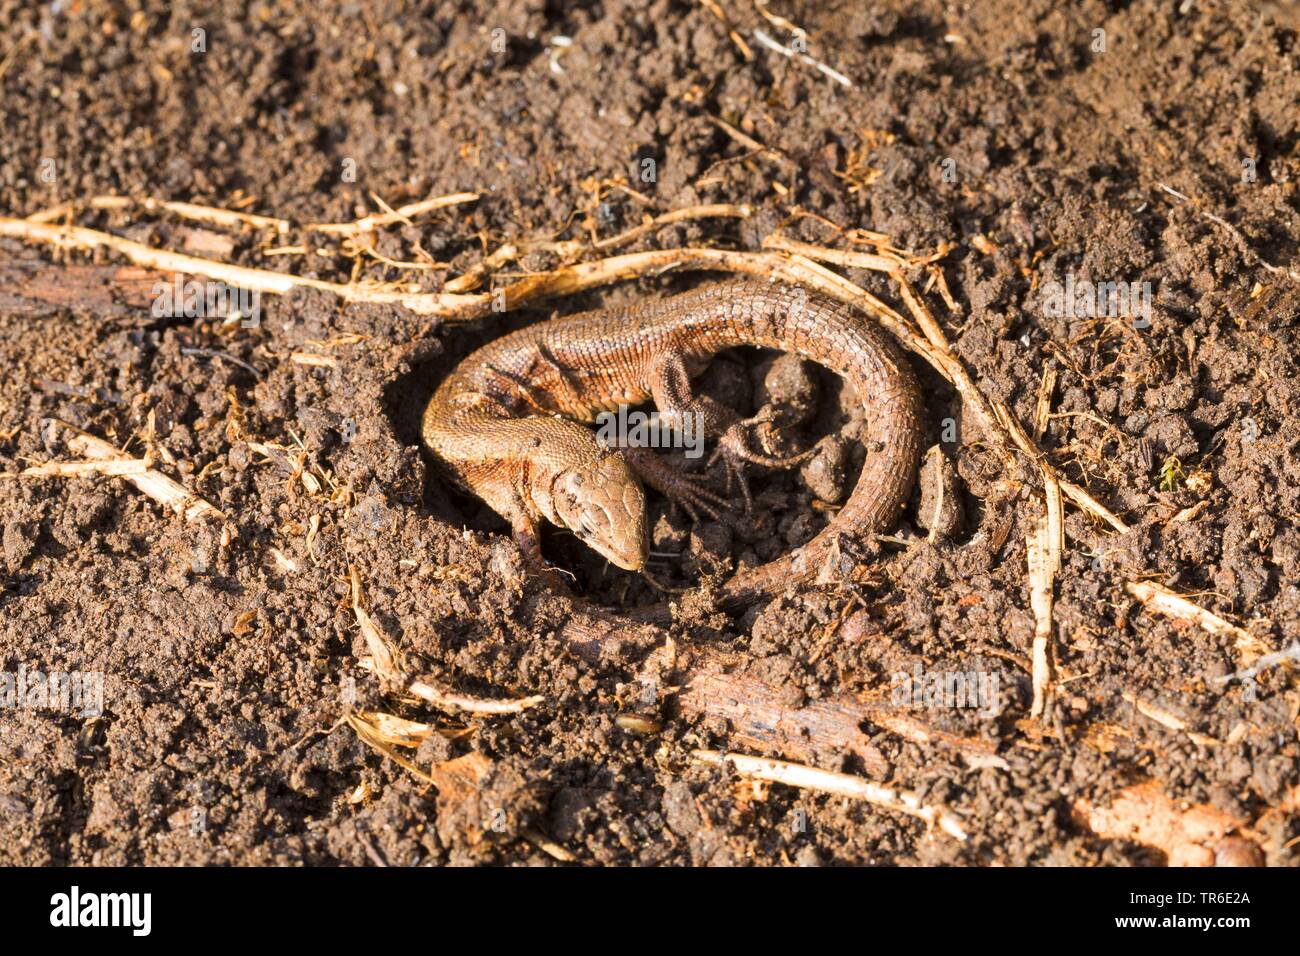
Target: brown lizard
505 423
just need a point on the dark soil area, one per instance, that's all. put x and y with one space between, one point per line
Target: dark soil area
230 651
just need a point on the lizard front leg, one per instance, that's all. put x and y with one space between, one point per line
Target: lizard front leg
689 491
504 484
524 530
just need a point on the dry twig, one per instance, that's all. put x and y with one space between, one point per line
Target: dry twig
105 459
1158 598
841 784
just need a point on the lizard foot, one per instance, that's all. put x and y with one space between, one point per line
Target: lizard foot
525 535
733 448
692 494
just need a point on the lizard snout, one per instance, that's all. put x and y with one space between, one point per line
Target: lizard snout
604 505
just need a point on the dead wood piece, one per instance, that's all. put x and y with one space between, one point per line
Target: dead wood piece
759 714
31 289
1161 600
1188 836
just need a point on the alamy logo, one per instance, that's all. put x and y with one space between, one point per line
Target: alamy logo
973 689
206 300
72 692
1093 300
103 909
632 429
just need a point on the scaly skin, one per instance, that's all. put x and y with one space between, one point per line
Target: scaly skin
505 423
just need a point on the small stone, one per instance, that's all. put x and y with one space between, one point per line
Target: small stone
941 511
825 474
789 383
802 529
1237 851
808 856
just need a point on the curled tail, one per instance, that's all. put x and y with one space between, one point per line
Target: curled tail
792 319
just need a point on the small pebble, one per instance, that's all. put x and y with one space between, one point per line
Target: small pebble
825 474
1237 851
808 856
789 383
802 529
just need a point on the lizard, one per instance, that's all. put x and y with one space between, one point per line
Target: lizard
507 424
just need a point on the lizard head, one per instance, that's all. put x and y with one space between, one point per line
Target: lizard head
602 502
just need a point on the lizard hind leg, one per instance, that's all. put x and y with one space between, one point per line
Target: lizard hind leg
735 444
669 383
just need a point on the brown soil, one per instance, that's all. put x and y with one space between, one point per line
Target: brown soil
226 673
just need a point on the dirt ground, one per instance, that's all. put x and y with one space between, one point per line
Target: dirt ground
230 652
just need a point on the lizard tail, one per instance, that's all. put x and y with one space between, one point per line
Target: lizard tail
792 319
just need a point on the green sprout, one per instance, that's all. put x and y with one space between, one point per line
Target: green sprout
1171 474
